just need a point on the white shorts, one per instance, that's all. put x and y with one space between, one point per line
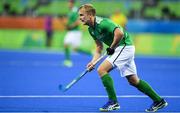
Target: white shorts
73 38
123 59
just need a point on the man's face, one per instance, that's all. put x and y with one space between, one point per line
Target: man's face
84 17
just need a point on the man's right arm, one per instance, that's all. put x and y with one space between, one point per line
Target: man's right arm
97 54
99 48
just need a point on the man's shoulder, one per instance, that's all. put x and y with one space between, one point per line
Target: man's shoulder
99 19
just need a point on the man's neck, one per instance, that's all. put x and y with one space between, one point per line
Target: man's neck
93 19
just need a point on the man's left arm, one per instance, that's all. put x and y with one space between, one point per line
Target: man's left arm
118 35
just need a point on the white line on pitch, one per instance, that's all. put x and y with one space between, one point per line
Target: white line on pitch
77 96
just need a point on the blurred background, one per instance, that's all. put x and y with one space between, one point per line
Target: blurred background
31 67
153 24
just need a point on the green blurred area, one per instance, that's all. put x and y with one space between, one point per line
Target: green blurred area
146 43
157 13
104 8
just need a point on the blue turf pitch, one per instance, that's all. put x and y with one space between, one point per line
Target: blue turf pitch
29 82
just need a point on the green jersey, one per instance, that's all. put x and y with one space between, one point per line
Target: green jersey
73 17
104 31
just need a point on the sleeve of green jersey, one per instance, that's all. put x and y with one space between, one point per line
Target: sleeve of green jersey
108 26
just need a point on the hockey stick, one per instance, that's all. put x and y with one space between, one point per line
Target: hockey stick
75 80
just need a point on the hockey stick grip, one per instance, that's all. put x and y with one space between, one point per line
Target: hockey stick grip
102 56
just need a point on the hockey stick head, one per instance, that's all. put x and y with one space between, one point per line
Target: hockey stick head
61 88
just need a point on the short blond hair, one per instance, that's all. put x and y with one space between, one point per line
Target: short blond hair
88 8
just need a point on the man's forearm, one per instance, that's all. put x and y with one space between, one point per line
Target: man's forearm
118 35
